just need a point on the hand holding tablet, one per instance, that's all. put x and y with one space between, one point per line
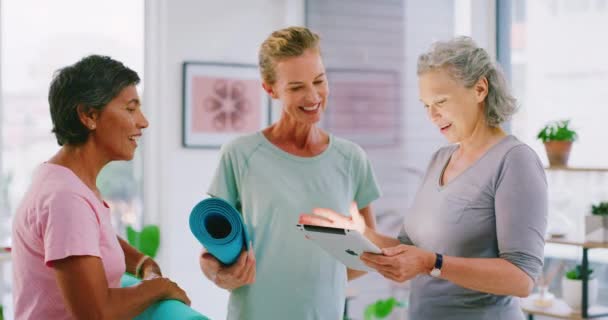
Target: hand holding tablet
345 245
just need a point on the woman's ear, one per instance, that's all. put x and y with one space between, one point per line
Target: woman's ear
88 116
270 90
481 89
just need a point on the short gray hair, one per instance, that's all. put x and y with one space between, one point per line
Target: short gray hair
467 63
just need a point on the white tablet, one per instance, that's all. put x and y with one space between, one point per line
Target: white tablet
344 244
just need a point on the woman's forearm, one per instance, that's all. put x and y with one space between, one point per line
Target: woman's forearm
491 275
132 255
85 274
127 303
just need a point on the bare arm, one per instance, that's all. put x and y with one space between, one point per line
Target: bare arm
495 275
490 275
76 275
132 256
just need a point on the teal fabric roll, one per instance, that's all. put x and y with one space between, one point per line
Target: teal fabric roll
218 226
163 310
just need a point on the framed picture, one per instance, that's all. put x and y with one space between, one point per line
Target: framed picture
221 101
364 106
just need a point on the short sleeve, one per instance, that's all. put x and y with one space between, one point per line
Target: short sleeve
224 184
366 186
70 228
521 210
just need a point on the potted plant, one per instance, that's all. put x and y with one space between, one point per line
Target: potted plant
558 137
596 224
572 287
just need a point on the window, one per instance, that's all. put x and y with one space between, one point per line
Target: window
37 38
560 71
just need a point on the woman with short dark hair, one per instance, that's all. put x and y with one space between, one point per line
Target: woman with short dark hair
67 258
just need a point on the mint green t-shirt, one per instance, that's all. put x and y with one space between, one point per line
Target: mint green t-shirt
295 279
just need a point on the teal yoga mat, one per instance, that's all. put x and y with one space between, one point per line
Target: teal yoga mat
218 226
163 310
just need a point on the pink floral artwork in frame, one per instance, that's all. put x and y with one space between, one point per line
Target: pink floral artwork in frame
225 105
221 102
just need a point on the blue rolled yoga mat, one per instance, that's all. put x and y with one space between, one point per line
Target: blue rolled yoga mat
163 310
218 226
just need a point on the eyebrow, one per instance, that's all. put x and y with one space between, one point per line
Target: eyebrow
300 82
435 100
134 101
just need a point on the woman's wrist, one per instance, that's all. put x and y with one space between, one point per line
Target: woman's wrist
429 262
139 265
151 269
145 266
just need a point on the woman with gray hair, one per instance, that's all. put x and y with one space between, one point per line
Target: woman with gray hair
473 237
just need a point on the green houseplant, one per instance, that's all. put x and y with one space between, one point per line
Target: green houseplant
557 137
572 287
596 224
381 309
147 240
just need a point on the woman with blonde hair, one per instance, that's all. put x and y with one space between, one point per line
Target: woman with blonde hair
274 175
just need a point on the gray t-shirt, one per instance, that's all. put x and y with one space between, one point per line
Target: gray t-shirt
495 208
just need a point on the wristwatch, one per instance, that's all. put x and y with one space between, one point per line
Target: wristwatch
436 272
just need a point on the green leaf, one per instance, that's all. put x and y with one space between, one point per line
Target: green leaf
577 273
149 240
146 241
557 131
381 308
600 209
132 237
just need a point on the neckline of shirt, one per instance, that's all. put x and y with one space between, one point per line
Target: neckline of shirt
290 156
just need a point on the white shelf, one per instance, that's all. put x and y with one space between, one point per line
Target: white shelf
577 169
560 310
578 243
564 248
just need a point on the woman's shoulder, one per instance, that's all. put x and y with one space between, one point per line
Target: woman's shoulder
53 179
514 150
347 148
244 144
53 187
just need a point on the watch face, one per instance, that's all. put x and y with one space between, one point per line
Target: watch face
435 272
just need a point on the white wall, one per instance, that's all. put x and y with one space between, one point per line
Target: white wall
177 178
426 22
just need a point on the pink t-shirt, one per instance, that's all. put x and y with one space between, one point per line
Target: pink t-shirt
58 217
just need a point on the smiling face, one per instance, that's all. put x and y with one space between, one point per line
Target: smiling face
119 125
456 110
301 86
